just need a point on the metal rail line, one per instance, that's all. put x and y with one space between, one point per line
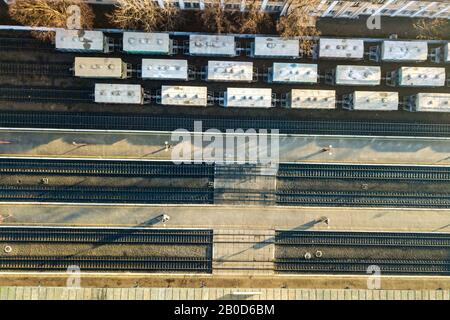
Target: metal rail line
364 172
394 266
106 263
382 241
41 94
24 44
363 199
106 194
35 69
66 120
389 239
105 235
12 236
103 168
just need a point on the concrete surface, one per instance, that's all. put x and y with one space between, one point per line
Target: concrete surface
151 145
228 217
244 252
63 293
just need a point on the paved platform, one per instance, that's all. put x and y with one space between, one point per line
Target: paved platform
52 293
251 185
151 146
244 252
228 217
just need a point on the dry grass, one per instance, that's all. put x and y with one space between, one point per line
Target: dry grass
49 13
218 20
298 22
145 15
432 28
253 20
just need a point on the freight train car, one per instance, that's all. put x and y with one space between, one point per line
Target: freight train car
87 67
371 100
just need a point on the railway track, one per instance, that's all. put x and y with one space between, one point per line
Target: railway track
430 267
104 235
104 168
42 193
363 199
35 69
24 43
151 264
48 236
390 239
364 172
66 120
376 244
43 94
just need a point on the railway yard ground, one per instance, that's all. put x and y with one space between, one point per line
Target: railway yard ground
44 68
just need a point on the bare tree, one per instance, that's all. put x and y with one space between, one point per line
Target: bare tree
171 17
216 18
50 13
298 22
253 20
145 15
432 28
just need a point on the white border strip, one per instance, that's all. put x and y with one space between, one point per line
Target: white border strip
44 130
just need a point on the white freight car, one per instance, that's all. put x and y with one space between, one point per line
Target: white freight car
404 51
119 93
275 47
355 75
428 102
82 41
164 69
212 45
341 48
417 77
441 54
147 43
184 96
293 73
310 99
229 71
87 67
248 98
371 100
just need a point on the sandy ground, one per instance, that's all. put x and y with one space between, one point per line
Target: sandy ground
188 281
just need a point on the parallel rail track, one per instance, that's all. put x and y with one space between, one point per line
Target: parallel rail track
66 120
147 264
364 172
363 199
103 168
42 193
382 241
35 69
433 267
46 95
390 239
24 44
103 236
